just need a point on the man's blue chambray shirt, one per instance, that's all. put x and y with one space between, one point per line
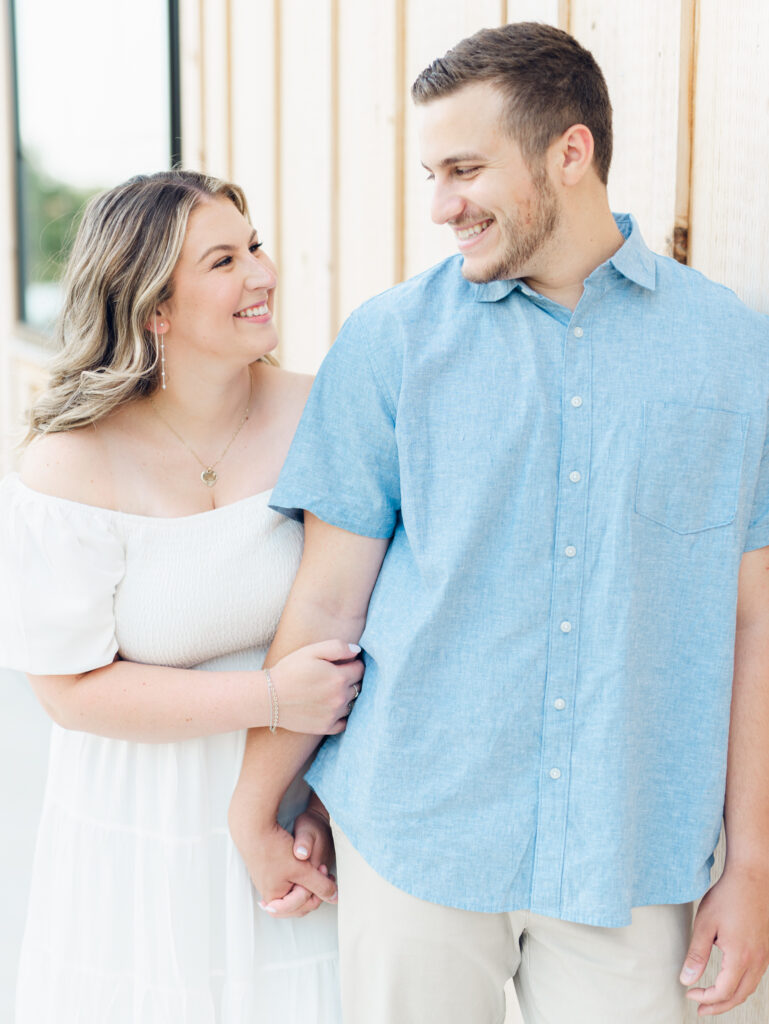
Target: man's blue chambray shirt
544 717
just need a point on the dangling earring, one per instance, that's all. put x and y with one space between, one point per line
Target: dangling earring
162 360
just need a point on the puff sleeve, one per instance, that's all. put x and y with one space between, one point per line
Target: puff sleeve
60 563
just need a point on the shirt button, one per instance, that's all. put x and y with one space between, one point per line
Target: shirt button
575 476
559 704
570 551
555 773
576 401
578 332
566 627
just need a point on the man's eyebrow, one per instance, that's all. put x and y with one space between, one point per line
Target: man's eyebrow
225 247
460 158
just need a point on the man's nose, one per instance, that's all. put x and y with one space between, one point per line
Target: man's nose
446 204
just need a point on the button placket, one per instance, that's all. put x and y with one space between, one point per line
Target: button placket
566 599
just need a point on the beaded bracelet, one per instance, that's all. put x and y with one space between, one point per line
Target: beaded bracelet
275 709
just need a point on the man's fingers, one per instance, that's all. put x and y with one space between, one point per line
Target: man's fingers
313 879
744 989
699 952
728 983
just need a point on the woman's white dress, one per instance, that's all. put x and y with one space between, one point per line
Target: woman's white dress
141 909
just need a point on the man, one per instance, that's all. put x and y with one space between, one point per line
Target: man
546 457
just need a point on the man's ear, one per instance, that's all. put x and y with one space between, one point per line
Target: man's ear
574 151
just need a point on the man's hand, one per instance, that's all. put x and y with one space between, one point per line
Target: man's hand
268 851
314 845
733 915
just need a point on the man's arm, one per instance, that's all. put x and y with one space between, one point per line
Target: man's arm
329 597
734 914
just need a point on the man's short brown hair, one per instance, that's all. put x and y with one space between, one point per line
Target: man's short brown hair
548 80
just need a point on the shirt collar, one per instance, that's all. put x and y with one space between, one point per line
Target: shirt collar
633 260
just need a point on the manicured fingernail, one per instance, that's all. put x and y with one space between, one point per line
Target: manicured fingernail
323 869
688 973
262 904
334 898
271 910
302 851
354 648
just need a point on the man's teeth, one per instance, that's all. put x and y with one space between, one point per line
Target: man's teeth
476 229
253 311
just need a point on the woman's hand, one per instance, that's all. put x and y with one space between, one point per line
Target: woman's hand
268 852
313 843
316 686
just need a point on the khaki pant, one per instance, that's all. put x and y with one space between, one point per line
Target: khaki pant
406 961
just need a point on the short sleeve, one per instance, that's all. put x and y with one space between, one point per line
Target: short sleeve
60 563
343 462
758 530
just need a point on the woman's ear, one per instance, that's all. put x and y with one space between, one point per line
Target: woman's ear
157 324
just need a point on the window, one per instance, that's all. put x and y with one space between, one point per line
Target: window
97 101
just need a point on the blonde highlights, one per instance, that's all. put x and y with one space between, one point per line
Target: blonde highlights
120 270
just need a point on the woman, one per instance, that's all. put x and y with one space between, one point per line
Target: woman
146 574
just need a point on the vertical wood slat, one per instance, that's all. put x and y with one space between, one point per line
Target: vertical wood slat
685 128
638 48
368 225
192 82
432 27
730 200
306 181
549 11
215 116
255 142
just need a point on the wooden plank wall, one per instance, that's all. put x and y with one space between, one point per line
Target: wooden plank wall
306 104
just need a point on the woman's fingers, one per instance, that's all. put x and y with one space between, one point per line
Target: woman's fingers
290 904
304 841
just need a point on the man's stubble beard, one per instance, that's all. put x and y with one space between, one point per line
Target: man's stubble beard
522 243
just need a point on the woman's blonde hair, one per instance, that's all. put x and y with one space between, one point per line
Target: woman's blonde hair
118 273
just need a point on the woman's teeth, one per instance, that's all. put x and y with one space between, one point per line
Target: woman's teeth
253 311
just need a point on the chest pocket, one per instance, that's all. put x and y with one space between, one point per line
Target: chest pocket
691 463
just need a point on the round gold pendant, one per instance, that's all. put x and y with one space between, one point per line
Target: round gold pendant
208 476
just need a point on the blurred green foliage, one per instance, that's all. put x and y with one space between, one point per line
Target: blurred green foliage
51 212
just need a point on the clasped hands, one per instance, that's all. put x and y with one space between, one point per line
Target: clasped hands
291 873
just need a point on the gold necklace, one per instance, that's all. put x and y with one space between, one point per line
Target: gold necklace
209 475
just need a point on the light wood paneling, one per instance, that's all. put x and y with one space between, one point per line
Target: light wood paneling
370 156
192 83
730 198
216 114
254 147
552 12
638 47
307 181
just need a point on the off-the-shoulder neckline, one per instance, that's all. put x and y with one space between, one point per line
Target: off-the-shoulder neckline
136 515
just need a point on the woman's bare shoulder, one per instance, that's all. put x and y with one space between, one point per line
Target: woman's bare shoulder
289 390
68 464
